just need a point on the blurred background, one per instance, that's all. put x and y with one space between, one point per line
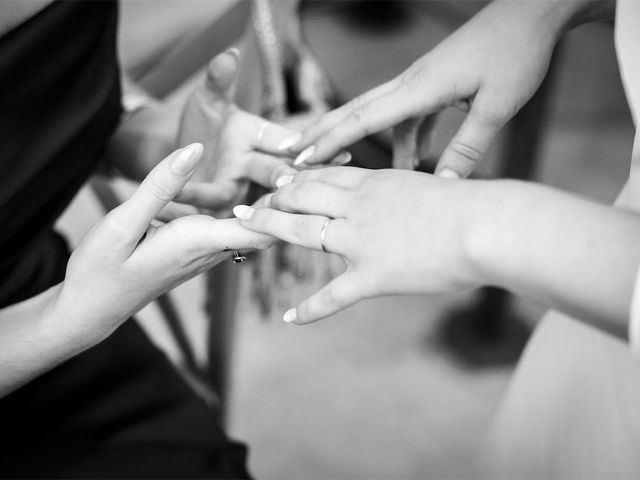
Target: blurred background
393 387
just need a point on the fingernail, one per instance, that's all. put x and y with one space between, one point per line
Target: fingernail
187 158
289 142
342 159
448 173
234 52
304 155
267 200
290 315
243 212
284 180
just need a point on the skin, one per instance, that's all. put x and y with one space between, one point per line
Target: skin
113 273
121 265
490 67
445 234
405 232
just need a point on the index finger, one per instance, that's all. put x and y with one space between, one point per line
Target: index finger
364 120
161 186
310 134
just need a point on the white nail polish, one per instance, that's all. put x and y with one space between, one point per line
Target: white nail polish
342 159
187 158
267 200
448 173
304 155
243 212
284 180
289 142
290 315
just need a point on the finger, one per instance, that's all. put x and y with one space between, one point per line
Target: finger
311 198
221 75
268 135
405 141
345 177
175 210
364 120
337 295
198 236
310 134
302 230
266 169
208 195
161 186
468 146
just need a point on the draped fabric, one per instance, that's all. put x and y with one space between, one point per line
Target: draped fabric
573 407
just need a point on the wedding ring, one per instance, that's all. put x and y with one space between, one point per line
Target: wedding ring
323 235
238 257
260 138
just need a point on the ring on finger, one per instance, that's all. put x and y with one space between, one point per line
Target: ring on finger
323 235
238 257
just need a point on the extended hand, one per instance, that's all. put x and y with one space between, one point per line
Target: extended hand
490 67
123 262
399 232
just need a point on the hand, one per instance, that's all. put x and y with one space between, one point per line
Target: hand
490 67
240 148
123 263
399 232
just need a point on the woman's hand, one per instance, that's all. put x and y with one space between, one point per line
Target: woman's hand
490 67
123 262
399 232
240 148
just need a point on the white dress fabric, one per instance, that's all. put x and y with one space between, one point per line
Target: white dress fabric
572 409
628 49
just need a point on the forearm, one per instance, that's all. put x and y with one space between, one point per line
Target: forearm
33 340
557 16
565 251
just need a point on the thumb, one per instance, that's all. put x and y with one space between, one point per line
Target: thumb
337 295
221 75
468 146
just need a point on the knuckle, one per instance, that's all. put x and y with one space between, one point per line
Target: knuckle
465 151
295 192
113 225
300 228
161 189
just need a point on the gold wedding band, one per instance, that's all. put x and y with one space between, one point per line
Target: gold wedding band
323 235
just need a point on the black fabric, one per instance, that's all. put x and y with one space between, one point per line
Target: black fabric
119 410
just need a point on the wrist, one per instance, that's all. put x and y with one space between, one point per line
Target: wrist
555 17
491 235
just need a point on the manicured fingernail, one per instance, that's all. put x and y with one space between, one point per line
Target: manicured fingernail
342 159
284 180
448 173
243 212
186 159
267 200
290 315
234 52
289 142
304 155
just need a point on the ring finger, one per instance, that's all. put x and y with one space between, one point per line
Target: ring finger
303 230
